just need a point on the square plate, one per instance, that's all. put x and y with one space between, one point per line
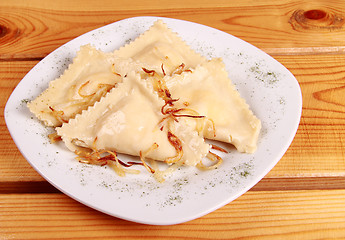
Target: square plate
269 88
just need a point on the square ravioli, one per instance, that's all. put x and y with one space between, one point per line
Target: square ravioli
208 91
162 50
87 79
129 120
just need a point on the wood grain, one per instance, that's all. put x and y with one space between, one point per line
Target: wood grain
255 215
34 30
302 197
318 147
13 164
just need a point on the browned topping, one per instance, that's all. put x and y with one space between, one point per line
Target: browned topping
219 148
54 137
59 115
213 157
103 157
175 141
180 69
162 67
82 87
144 163
144 154
102 89
159 84
113 70
187 115
95 157
172 112
177 144
151 72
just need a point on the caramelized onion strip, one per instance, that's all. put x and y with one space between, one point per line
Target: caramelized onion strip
177 144
54 137
113 70
219 148
144 154
82 87
213 157
59 115
102 88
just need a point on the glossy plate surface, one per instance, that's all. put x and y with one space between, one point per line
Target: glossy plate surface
268 87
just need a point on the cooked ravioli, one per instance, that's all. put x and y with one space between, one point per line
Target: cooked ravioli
209 91
159 48
87 79
154 98
129 120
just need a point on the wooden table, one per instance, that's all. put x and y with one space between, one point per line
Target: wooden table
303 197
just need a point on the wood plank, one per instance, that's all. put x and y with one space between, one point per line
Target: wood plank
255 215
317 150
13 164
32 29
298 183
14 186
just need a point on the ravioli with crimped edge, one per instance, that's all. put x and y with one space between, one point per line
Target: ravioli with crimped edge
154 98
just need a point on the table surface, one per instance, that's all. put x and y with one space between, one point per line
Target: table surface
302 197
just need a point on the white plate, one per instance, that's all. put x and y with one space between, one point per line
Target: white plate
269 88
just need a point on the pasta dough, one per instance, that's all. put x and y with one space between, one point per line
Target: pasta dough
154 95
87 79
209 91
159 48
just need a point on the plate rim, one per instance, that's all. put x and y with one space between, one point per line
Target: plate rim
186 218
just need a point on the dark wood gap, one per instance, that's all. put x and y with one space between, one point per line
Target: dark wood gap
27 187
20 59
266 184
